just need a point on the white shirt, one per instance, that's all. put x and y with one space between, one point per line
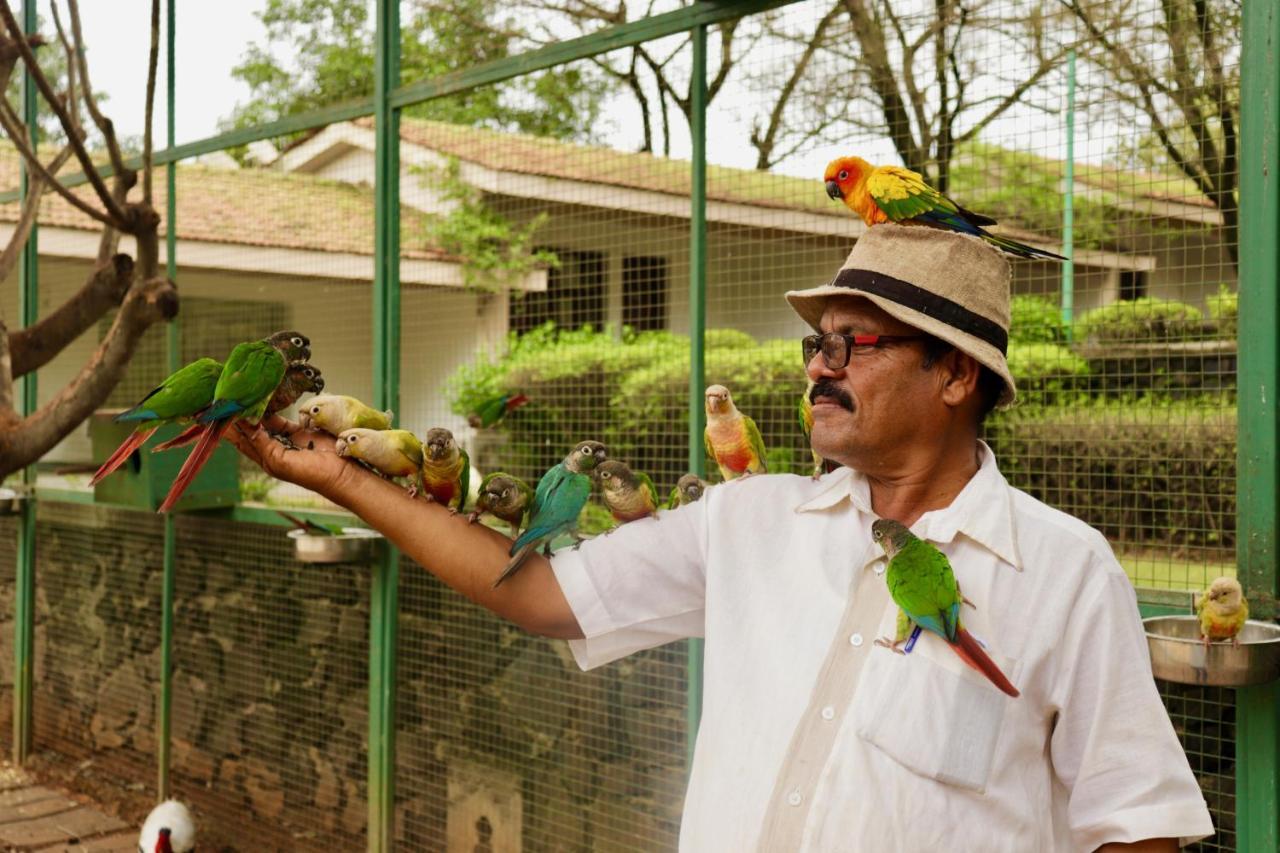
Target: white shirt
815 739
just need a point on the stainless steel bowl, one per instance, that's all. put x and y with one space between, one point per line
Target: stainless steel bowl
1178 654
354 545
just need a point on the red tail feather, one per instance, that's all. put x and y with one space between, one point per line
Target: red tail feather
182 439
516 402
971 652
120 454
211 435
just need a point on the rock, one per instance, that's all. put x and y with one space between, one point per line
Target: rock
192 761
355 812
124 707
264 789
262 732
328 790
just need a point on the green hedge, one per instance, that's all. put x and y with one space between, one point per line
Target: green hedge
1036 320
1224 310
1160 477
1144 320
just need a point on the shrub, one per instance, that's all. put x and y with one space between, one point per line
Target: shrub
1159 476
1048 374
1036 319
1224 310
1143 320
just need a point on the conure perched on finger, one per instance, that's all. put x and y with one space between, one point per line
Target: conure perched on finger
688 489
504 497
335 414
252 373
894 194
178 398
923 585
1223 610
492 411
629 495
390 452
732 438
300 378
446 469
561 494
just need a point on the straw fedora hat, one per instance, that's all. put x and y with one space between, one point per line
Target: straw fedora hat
952 286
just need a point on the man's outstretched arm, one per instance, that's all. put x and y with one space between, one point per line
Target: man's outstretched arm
466 557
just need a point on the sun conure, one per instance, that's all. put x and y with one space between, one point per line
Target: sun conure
894 194
923 585
732 438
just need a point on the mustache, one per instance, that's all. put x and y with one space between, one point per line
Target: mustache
827 388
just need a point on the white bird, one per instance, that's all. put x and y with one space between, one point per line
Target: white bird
168 829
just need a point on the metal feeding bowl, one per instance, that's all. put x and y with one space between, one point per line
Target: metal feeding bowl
353 545
1178 654
11 499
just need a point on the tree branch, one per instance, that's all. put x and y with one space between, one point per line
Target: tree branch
147 303
105 126
35 346
151 99
27 216
876 55
14 128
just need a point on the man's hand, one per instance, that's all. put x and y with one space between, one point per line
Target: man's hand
314 465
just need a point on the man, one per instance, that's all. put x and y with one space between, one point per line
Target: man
812 737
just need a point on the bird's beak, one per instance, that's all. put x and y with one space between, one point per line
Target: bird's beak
319 384
340 447
304 420
601 455
833 191
305 355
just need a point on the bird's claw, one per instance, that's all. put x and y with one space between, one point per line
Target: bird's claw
473 517
285 441
453 510
891 645
412 491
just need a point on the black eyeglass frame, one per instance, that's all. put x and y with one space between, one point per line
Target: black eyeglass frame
811 345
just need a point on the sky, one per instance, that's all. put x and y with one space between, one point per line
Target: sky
212 39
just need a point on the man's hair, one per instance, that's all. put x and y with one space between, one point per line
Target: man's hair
990 385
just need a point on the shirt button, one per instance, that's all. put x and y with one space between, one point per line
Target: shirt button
794 798
880 568
856 640
828 713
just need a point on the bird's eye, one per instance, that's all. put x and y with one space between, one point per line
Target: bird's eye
353 439
505 492
586 451
315 410
844 175
296 341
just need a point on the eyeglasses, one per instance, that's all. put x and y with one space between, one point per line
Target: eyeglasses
836 348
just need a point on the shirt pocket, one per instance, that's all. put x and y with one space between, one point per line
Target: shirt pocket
934 716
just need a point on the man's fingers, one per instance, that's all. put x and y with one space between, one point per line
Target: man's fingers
280 425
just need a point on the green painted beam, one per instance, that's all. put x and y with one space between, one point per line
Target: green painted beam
164 714
695 15
697 333
385 583
1257 745
25 567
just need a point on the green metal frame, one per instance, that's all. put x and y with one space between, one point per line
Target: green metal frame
25 569
1258 474
1069 204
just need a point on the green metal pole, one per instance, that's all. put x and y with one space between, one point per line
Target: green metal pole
384 589
164 714
1258 477
25 570
1069 203
697 327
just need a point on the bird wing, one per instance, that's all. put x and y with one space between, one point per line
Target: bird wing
464 482
185 392
753 437
558 510
804 414
902 194
249 378
673 500
924 585
647 486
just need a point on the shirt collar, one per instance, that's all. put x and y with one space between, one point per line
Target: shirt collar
983 511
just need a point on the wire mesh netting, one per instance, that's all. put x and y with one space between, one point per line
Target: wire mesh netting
551 262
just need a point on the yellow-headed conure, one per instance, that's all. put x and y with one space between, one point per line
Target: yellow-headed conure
335 414
731 437
492 411
924 587
688 489
505 497
894 194
391 452
1223 610
446 469
561 494
252 373
180 397
628 495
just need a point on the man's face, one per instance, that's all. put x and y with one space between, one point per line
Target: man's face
868 413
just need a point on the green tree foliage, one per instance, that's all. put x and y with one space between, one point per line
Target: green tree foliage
328 51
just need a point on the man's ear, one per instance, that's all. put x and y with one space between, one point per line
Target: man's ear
958 375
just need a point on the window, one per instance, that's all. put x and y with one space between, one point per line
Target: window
644 293
575 294
206 327
1133 284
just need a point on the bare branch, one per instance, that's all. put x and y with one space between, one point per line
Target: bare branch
105 126
148 302
17 134
883 82
51 97
33 347
73 100
27 216
152 61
